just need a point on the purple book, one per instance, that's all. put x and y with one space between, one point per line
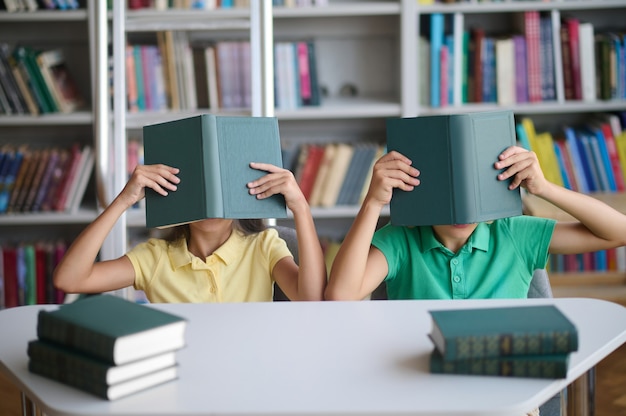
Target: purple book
521 81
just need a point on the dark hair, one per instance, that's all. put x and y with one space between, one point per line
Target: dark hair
246 227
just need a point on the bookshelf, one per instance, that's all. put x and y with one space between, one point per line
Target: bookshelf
369 68
72 33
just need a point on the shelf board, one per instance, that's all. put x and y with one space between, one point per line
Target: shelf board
520 6
534 108
341 9
44 16
53 119
83 216
148 20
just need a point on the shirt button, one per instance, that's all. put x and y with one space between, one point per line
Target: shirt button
455 261
212 289
456 279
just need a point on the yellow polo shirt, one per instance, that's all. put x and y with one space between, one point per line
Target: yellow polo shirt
239 271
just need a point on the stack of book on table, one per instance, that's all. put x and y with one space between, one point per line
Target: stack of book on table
107 346
517 341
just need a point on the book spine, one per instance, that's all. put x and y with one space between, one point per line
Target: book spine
462 149
504 345
65 362
212 170
535 367
70 379
92 343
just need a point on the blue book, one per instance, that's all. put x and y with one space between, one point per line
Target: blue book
561 160
586 161
604 162
436 41
571 143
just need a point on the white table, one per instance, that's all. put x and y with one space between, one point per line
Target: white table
320 358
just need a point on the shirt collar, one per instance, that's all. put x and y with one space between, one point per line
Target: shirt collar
478 240
228 252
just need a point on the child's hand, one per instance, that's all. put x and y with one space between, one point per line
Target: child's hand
392 170
523 166
277 181
160 178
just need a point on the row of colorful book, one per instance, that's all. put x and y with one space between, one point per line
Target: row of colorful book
177 74
12 6
532 64
514 341
34 81
26 273
47 179
107 346
332 174
613 260
186 4
587 158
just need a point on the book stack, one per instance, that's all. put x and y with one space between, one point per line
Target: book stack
107 346
518 341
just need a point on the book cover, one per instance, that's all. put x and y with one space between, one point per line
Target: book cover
534 366
112 329
59 80
455 154
502 331
214 155
65 362
108 392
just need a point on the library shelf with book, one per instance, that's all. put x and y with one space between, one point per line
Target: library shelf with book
47 131
370 67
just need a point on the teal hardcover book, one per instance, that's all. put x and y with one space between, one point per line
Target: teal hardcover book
502 331
213 154
455 155
534 366
112 329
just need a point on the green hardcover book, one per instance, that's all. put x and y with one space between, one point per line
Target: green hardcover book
112 329
535 366
106 391
213 154
502 331
65 362
455 155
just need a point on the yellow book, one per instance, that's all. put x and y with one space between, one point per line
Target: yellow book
322 176
543 145
620 143
336 174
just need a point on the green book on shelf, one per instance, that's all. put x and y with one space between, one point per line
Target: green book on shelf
535 366
64 362
213 154
455 155
502 331
105 391
112 329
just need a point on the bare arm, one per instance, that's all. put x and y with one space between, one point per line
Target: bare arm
358 267
599 226
306 282
78 271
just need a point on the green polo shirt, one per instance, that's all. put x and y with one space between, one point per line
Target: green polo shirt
497 261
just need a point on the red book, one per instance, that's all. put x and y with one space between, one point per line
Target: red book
567 64
611 147
532 35
304 72
310 168
41 273
574 52
59 252
9 258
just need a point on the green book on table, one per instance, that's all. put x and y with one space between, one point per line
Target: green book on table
535 366
106 391
112 329
455 155
502 331
213 154
63 362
